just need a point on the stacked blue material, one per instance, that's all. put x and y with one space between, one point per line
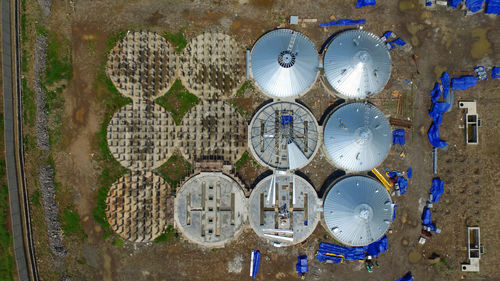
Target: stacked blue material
362 3
256 263
343 22
434 137
398 137
495 71
454 3
437 189
474 5
492 7
426 219
445 81
409 173
463 82
407 277
397 42
437 111
335 253
301 265
435 93
394 212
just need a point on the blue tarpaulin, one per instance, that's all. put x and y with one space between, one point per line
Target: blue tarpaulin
426 219
388 34
286 119
301 265
492 7
445 81
435 93
454 3
407 277
343 22
394 212
463 82
398 137
362 3
495 72
256 263
474 5
403 184
409 172
398 42
434 137
437 111
375 248
437 188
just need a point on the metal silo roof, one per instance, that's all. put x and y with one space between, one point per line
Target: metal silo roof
357 136
284 63
358 210
357 64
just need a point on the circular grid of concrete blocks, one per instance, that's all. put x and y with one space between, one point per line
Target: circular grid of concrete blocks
212 128
284 208
136 206
141 136
210 209
142 66
212 66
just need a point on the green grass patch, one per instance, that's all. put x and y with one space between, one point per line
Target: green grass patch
29 105
6 257
35 198
245 158
168 235
82 261
42 30
59 60
71 223
241 91
177 39
113 39
178 100
175 170
118 242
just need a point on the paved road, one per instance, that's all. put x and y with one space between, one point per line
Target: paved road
10 143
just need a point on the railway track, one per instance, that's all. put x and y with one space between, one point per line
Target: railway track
14 153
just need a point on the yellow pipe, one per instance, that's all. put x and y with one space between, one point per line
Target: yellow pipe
382 179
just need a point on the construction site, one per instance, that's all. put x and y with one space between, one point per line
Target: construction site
255 139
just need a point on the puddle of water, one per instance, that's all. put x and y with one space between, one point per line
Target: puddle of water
482 46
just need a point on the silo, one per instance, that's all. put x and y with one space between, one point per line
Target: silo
357 64
357 210
357 137
284 63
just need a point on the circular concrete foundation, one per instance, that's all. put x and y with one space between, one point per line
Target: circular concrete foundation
210 209
280 213
136 206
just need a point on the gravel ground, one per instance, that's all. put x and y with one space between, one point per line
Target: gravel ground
46 178
41 131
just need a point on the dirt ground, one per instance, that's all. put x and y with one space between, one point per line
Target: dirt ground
442 39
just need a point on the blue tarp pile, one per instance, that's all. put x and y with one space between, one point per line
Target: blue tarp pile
343 22
301 265
437 189
437 111
362 3
335 253
407 277
398 137
286 119
409 173
492 7
426 219
445 81
255 263
495 72
394 212
434 137
463 82
474 5
397 177
454 3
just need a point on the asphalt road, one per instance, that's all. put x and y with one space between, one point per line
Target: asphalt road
10 143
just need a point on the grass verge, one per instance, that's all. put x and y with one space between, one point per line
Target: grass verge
178 101
168 235
175 170
177 39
